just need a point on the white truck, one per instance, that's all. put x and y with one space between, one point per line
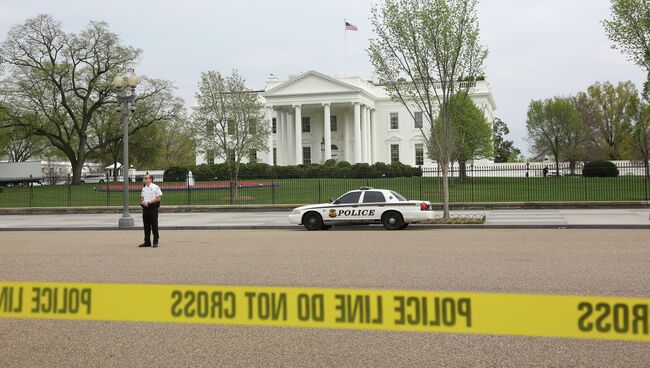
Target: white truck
20 172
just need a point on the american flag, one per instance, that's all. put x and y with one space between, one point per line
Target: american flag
350 27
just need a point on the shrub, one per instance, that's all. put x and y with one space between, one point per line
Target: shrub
175 173
600 168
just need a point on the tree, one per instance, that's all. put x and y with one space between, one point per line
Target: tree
471 131
639 139
423 49
550 124
604 108
62 81
504 150
228 121
629 30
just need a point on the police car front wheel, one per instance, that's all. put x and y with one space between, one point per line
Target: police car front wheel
312 221
392 220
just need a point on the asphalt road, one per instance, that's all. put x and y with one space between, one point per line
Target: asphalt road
565 262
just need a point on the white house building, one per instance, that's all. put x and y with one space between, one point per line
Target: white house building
317 117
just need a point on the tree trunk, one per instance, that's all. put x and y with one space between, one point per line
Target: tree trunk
462 170
445 190
572 167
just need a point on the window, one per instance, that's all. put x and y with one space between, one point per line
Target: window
210 156
306 124
209 128
253 156
333 123
419 154
274 124
275 156
373 197
394 153
231 155
252 126
418 119
352 197
394 122
306 155
231 127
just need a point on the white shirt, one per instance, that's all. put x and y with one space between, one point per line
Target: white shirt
150 192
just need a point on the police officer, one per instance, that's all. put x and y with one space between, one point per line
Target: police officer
150 201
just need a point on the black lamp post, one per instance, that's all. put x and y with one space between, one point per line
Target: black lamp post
125 104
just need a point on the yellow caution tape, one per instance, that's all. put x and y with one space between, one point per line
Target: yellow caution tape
588 317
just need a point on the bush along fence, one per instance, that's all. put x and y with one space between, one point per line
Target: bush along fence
317 184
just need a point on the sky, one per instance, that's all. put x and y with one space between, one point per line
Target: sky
537 48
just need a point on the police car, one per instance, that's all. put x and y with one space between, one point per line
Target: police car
363 206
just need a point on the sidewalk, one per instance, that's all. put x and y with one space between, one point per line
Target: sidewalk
511 218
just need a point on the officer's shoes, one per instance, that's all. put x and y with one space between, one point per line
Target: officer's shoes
144 245
155 244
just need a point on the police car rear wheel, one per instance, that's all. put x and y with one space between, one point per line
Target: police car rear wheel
392 220
312 221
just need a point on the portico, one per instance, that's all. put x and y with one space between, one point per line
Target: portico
318 118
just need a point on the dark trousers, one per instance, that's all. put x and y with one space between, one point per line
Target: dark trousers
150 220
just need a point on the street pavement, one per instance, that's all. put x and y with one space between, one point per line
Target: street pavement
598 262
510 218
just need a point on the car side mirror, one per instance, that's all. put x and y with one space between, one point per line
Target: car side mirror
335 202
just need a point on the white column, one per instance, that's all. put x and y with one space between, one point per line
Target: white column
327 132
362 139
298 134
288 151
357 133
373 136
367 136
346 136
270 143
279 135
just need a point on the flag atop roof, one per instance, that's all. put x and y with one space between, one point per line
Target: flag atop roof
350 27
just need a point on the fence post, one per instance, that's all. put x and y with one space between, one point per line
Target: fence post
472 182
69 191
272 190
421 174
528 181
31 194
189 192
319 191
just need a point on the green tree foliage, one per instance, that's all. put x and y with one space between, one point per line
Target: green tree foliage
57 83
420 52
606 112
550 125
504 150
228 121
629 30
471 131
639 138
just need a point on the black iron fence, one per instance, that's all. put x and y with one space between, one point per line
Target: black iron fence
470 184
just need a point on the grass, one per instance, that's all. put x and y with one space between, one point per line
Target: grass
297 191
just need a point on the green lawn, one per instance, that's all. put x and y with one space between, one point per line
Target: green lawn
294 191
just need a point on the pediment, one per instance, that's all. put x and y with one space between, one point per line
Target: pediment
311 83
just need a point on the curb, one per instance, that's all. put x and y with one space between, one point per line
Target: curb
419 227
289 207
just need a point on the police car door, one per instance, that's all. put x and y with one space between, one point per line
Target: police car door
346 207
372 205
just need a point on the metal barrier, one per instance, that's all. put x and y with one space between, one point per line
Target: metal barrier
493 183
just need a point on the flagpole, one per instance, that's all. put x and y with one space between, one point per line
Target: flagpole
345 37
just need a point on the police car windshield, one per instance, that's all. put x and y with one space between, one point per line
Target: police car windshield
398 196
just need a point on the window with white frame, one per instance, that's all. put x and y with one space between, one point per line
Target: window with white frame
394 153
231 155
306 155
333 123
419 154
252 156
210 156
418 119
274 124
394 121
275 156
306 124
